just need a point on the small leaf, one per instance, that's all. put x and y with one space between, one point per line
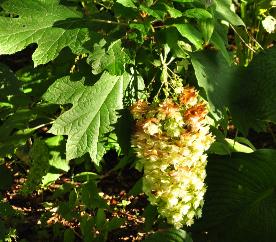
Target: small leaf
90 196
184 1
39 154
216 77
72 199
207 28
113 60
115 223
237 147
175 13
191 33
68 236
137 188
156 13
225 13
220 45
100 219
198 13
85 176
86 226
127 3
144 27
150 213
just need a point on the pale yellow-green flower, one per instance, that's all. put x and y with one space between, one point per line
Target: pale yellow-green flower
269 24
170 140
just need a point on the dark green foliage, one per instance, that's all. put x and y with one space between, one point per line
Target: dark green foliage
39 155
240 200
171 235
249 92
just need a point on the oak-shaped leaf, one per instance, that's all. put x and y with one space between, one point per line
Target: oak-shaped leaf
46 23
95 110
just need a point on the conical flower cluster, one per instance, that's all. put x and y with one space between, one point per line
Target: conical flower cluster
170 139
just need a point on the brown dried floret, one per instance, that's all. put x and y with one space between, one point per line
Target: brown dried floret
188 96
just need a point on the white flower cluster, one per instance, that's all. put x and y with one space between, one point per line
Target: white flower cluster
269 24
170 139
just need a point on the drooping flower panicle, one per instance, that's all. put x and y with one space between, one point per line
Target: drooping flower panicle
170 139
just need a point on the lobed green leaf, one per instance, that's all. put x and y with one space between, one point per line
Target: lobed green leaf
46 23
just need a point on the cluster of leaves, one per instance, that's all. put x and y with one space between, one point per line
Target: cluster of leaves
92 59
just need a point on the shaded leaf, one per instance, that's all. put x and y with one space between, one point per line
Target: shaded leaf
5 178
156 13
218 42
240 199
198 13
127 3
190 33
68 236
171 235
248 92
254 100
216 77
115 223
224 12
90 196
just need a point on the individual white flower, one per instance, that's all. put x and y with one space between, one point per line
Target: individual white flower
151 128
269 24
172 201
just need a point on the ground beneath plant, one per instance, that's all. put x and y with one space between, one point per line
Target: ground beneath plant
44 223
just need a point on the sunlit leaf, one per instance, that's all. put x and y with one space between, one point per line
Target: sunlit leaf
46 23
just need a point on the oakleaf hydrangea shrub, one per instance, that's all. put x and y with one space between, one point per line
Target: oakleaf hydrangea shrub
170 140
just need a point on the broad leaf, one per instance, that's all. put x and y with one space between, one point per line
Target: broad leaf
171 235
255 100
50 25
248 92
216 77
240 199
94 111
